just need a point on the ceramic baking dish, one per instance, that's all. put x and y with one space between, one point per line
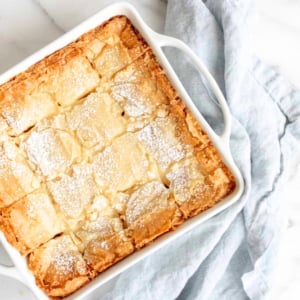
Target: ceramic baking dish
156 42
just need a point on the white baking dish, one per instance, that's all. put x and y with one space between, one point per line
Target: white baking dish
156 42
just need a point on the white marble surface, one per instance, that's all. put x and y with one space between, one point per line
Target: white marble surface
27 25
277 42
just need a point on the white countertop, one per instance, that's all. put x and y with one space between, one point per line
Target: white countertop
28 25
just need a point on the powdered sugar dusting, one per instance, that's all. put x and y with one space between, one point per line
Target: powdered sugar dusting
46 149
105 167
122 164
66 258
149 198
130 74
112 59
64 263
35 203
160 140
13 164
186 180
74 193
74 81
119 201
104 245
135 103
23 112
92 230
101 221
15 117
97 120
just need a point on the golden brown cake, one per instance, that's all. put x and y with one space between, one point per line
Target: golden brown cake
98 157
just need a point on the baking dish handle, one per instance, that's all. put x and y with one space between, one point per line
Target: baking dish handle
166 41
11 272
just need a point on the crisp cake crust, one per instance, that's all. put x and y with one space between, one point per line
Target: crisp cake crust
98 157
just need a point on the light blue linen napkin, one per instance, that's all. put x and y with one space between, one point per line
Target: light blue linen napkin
233 255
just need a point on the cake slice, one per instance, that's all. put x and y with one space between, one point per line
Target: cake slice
59 267
17 179
150 211
31 221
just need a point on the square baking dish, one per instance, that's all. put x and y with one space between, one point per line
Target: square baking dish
156 42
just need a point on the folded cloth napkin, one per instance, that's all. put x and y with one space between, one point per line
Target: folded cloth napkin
233 255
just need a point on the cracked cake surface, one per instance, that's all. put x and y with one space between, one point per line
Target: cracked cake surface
98 157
